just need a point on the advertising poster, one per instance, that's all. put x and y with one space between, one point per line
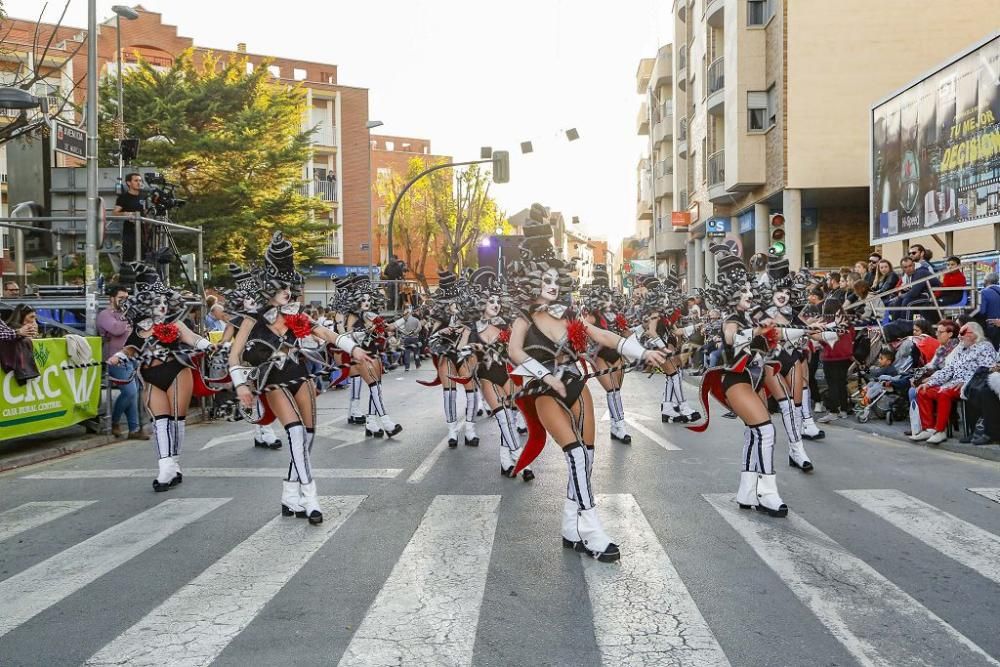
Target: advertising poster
61 396
936 151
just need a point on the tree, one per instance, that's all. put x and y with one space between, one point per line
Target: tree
422 212
475 214
232 142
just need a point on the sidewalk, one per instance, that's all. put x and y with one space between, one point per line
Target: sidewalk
50 445
877 428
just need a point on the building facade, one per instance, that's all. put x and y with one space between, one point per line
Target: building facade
774 96
338 169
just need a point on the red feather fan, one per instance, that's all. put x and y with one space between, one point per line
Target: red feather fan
576 332
772 336
620 322
504 336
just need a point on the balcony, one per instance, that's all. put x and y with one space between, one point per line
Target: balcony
717 176
682 138
325 190
682 63
663 70
715 12
642 120
664 172
664 127
682 201
332 247
716 81
644 210
681 9
667 240
325 135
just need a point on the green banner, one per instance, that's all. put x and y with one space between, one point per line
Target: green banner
60 397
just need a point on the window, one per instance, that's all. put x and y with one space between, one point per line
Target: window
757 111
384 172
759 11
299 74
772 106
275 71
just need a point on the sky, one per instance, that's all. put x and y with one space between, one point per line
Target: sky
466 74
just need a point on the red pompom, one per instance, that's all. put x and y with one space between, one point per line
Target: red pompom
576 332
299 324
772 336
165 333
379 325
504 336
674 316
620 322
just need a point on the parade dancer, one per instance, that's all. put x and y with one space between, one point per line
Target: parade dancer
163 345
268 350
488 336
369 330
239 302
736 384
546 341
447 340
602 311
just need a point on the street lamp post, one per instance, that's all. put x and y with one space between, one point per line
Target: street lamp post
90 270
370 125
121 11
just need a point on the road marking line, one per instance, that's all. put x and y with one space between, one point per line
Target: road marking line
232 437
318 473
870 616
643 612
34 590
421 471
348 444
652 435
970 545
31 515
991 494
428 609
195 624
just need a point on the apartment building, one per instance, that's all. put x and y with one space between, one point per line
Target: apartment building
338 170
391 156
656 188
772 102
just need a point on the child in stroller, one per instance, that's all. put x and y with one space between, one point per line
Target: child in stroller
884 396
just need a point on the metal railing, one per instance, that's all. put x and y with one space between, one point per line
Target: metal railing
325 190
878 304
716 75
332 248
717 168
664 168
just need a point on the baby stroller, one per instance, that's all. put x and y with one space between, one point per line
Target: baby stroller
881 402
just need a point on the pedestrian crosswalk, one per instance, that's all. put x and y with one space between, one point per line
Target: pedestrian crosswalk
426 610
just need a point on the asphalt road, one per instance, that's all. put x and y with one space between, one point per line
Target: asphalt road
428 557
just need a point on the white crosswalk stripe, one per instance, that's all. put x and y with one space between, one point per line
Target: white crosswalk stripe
428 609
195 624
36 589
32 515
318 473
643 613
992 494
968 544
870 616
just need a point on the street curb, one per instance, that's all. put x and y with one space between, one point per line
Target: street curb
73 445
987 452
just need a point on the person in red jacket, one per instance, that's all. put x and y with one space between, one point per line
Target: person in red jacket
953 277
836 363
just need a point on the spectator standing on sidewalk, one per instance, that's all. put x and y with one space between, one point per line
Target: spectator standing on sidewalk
836 362
988 312
114 330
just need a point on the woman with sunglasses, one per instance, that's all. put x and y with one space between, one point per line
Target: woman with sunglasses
936 396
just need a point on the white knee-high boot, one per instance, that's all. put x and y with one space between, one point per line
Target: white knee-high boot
758 484
809 429
510 444
163 435
668 408
593 540
356 415
377 402
451 415
471 408
797 456
683 408
617 414
263 436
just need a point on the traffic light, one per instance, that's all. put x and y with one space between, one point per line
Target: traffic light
777 234
501 167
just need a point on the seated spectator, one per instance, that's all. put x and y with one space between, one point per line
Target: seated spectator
835 292
923 339
918 294
871 270
936 396
953 277
813 309
885 279
24 315
884 375
865 313
946 333
11 290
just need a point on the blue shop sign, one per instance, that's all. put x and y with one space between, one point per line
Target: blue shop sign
341 271
746 222
717 226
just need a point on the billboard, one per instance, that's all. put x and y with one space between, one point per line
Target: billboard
935 150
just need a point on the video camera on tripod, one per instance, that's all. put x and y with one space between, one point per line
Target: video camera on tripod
161 198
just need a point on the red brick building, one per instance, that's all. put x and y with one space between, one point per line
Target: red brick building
392 155
338 170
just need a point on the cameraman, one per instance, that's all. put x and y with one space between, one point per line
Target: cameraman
133 200
394 273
